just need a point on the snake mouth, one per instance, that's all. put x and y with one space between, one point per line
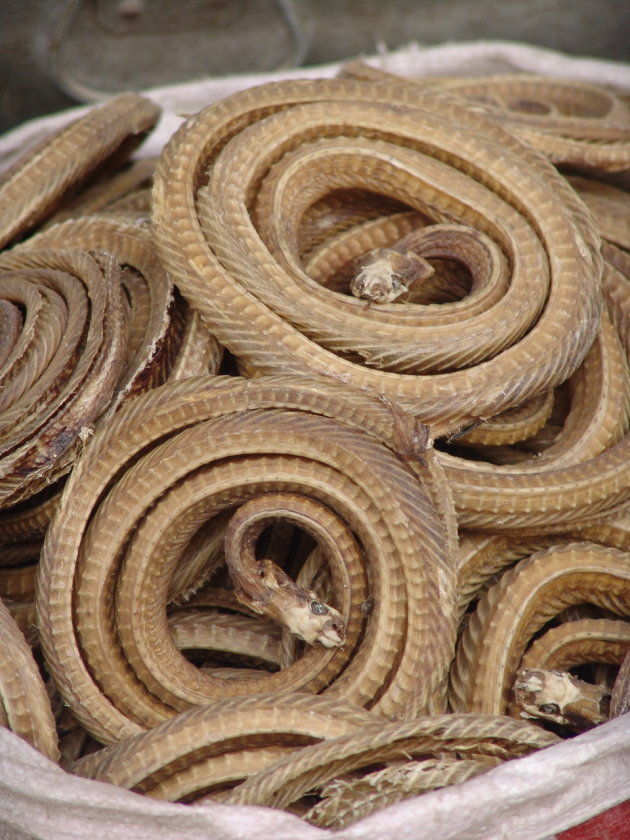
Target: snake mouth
332 632
314 622
332 635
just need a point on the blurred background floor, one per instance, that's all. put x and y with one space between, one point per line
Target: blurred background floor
56 53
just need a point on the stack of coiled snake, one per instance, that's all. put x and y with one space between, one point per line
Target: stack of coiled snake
315 475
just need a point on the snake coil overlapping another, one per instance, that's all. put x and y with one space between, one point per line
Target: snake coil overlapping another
314 430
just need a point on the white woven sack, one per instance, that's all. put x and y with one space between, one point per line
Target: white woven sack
530 798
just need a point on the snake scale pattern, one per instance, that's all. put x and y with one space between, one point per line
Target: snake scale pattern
315 445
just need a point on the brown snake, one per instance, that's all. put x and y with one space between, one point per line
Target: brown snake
524 599
162 336
403 612
24 705
559 117
61 371
218 739
35 183
252 295
344 801
290 777
250 586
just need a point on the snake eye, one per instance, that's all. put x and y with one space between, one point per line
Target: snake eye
317 608
550 709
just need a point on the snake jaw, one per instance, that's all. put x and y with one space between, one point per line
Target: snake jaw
282 600
314 621
560 697
385 274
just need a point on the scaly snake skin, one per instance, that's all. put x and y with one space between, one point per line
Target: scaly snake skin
315 436
255 302
382 501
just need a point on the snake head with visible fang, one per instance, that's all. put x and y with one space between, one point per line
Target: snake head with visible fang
297 609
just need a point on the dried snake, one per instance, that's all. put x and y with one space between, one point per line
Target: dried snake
483 307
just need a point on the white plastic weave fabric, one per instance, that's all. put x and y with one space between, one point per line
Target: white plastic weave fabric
531 798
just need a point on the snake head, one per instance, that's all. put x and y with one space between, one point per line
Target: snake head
326 623
313 621
560 697
299 610
385 274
